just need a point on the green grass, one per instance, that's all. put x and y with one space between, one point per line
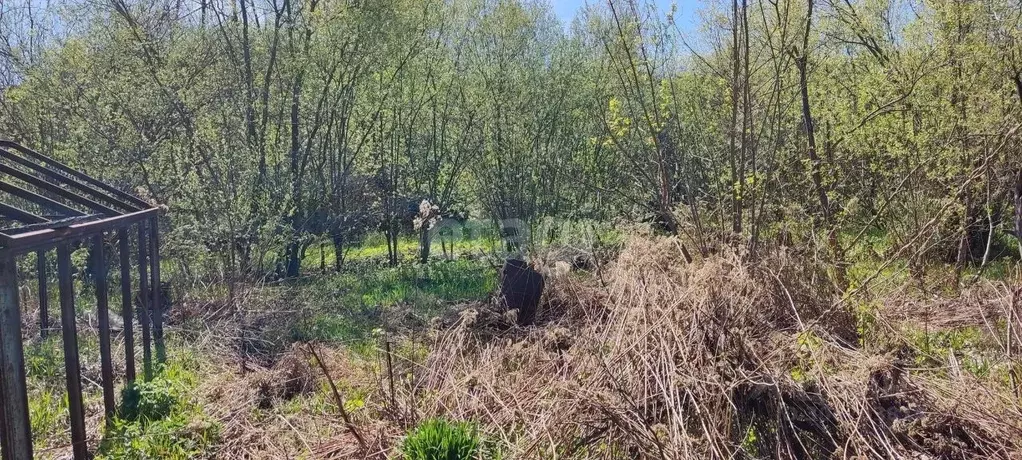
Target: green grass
47 394
178 430
974 350
476 236
374 248
369 294
48 409
1003 269
347 307
439 439
159 418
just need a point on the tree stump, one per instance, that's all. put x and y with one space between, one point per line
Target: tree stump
521 288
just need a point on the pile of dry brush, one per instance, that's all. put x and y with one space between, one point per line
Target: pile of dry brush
715 359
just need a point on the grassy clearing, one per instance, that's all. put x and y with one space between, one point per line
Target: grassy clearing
347 307
471 241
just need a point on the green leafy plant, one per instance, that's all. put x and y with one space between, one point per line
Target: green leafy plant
439 439
185 434
158 419
148 401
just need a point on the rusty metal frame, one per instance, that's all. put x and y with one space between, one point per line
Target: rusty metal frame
49 205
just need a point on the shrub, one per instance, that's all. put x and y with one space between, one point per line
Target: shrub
157 419
147 401
439 439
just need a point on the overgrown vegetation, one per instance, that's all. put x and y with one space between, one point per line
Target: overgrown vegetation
642 355
157 419
283 138
724 359
790 231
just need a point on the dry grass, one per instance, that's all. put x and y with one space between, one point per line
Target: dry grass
284 411
974 306
717 359
654 358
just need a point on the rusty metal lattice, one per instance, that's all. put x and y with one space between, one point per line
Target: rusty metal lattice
46 205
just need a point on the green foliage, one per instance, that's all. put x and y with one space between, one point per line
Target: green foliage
498 110
184 435
807 344
44 361
970 346
439 439
146 402
373 249
866 325
157 419
47 394
48 411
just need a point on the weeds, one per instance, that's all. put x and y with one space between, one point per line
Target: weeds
439 439
48 413
717 359
145 402
720 358
157 419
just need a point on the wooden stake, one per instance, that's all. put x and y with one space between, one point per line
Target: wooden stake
390 374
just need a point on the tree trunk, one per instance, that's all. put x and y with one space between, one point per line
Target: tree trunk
1018 208
837 253
1018 178
390 247
338 240
733 161
392 243
424 245
243 247
322 257
294 260
814 159
964 252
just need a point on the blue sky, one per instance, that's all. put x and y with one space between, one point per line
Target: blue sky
686 15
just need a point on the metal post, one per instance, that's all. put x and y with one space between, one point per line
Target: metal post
143 301
72 370
100 272
156 307
126 305
17 431
390 375
4 450
44 294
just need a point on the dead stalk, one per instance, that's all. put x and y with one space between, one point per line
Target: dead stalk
339 400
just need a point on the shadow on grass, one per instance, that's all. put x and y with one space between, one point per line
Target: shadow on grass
348 307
